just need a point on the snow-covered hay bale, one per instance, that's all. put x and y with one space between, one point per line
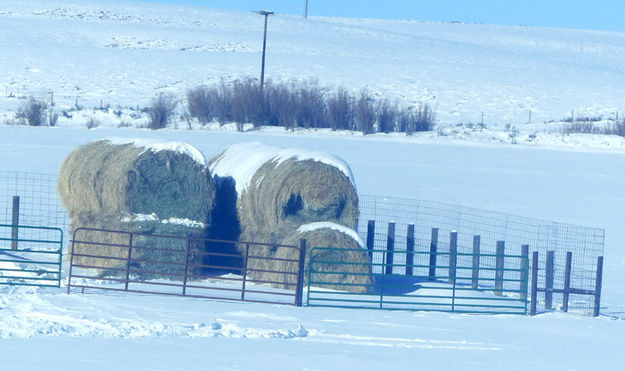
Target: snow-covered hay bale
137 177
152 256
346 265
141 187
280 189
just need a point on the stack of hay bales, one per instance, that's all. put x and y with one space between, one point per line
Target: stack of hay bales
138 186
280 190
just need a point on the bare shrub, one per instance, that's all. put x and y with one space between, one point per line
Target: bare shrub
281 105
410 121
582 127
247 103
425 118
199 104
92 123
341 110
161 111
34 111
387 116
311 106
53 117
364 112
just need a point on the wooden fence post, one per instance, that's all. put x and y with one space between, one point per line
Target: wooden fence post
410 250
299 291
475 274
15 221
370 237
390 248
523 273
453 256
567 282
549 262
534 293
433 253
598 280
499 268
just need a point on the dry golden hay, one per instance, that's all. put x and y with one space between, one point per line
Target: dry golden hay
136 177
341 262
279 190
106 246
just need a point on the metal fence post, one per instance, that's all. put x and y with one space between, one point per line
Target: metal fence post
15 221
433 253
499 268
567 282
475 274
534 292
371 237
523 271
247 254
299 292
128 262
410 250
453 256
186 266
549 263
598 280
390 248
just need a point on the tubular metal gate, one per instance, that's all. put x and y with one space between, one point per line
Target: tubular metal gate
184 266
30 256
452 285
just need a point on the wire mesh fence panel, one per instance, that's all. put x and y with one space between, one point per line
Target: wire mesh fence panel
37 201
585 243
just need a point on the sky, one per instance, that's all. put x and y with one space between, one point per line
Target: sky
587 14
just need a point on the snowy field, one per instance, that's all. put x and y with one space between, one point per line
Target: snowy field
124 54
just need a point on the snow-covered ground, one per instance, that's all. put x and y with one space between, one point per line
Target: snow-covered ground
124 53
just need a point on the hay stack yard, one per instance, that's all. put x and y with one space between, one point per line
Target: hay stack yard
279 190
345 266
137 186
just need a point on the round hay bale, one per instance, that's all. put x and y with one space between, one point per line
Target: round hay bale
346 265
279 190
152 255
118 177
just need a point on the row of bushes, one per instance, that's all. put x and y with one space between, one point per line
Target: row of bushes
302 105
588 127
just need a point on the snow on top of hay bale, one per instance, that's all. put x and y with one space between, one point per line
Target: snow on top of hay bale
329 225
158 146
241 161
303 155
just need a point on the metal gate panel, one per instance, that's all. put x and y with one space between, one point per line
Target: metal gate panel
30 255
451 290
103 259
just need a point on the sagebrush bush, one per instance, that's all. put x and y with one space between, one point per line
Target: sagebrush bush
161 111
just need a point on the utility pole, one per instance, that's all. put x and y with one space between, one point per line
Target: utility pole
306 9
266 13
